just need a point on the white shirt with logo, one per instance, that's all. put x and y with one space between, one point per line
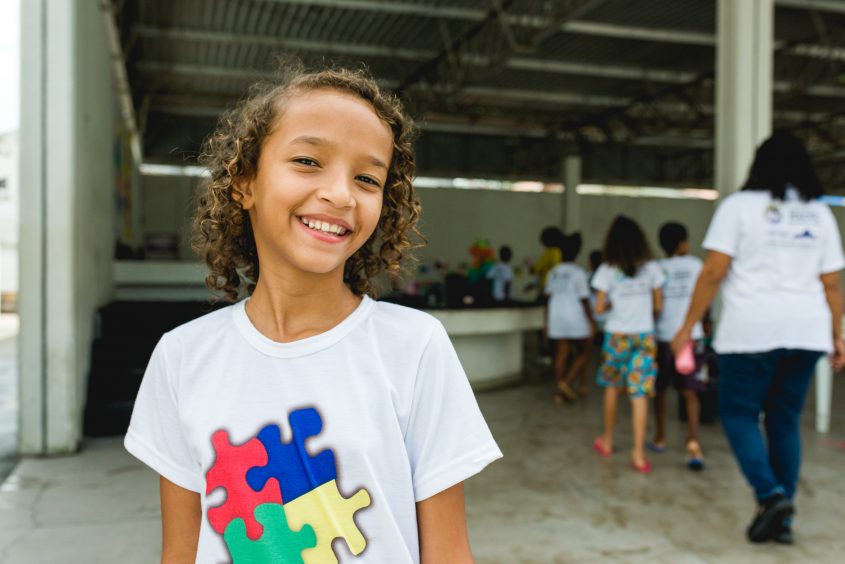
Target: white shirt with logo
681 275
772 295
631 297
566 286
294 446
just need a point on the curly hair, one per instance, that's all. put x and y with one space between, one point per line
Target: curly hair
222 232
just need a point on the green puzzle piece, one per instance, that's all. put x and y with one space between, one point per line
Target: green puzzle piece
279 544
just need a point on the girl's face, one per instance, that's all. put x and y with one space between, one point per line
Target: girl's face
317 195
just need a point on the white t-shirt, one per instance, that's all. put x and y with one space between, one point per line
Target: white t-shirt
341 433
632 310
566 286
772 296
681 275
501 273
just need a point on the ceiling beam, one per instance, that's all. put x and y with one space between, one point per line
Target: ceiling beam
516 63
836 6
202 35
170 104
664 35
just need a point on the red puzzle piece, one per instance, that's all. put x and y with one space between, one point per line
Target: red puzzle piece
229 472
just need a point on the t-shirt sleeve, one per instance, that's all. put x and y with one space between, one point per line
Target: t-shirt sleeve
155 434
550 283
723 232
583 287
447 438
833 259
601 279
658 276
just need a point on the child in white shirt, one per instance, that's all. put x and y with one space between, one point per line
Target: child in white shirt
569 319
501 275
681 270
628 286
309 412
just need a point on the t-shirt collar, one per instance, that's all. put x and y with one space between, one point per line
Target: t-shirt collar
301 347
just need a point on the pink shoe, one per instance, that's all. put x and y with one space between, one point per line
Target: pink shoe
644 469
598 446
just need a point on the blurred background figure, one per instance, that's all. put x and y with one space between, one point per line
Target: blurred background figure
501 276
570 322
628 285
776 253
681 271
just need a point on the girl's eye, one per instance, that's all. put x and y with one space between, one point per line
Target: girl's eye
369 180
305 161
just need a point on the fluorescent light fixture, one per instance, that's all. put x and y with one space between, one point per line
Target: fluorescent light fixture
487 184
648 192
152 169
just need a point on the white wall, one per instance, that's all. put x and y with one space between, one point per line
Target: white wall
453 219
95 174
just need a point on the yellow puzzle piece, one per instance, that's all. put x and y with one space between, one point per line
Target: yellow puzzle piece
332 516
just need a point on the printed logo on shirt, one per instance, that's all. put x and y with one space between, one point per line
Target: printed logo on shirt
773 214
804 216
806 234
282 504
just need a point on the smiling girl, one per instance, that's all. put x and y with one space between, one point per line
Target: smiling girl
308 422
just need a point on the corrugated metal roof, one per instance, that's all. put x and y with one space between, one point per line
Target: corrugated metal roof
191 58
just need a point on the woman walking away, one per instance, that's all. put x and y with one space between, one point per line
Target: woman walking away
631 282
776 253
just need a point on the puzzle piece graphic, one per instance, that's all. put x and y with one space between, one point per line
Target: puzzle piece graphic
296 471
229 472
332 516
279 544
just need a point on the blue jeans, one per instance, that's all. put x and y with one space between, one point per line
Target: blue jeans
774 383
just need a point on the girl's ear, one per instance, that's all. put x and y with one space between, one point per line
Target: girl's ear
243 192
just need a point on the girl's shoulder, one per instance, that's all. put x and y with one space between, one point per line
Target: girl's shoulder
394 319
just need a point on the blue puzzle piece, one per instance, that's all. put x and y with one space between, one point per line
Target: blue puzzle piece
296 471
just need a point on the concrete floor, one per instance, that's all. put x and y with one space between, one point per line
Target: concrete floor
551 499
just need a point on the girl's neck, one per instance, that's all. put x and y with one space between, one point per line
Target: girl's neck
286 310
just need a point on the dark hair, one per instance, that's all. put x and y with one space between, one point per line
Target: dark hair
625 246
671 235
551 236
596 258
782 160
222 231
505 253
570 246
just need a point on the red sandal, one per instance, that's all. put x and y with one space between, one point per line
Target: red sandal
599 447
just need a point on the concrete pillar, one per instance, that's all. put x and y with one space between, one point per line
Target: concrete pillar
47 352
571 203
66 215
744 61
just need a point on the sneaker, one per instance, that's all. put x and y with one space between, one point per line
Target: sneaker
769 518
784 535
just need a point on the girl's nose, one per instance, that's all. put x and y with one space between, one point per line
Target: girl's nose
338 191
